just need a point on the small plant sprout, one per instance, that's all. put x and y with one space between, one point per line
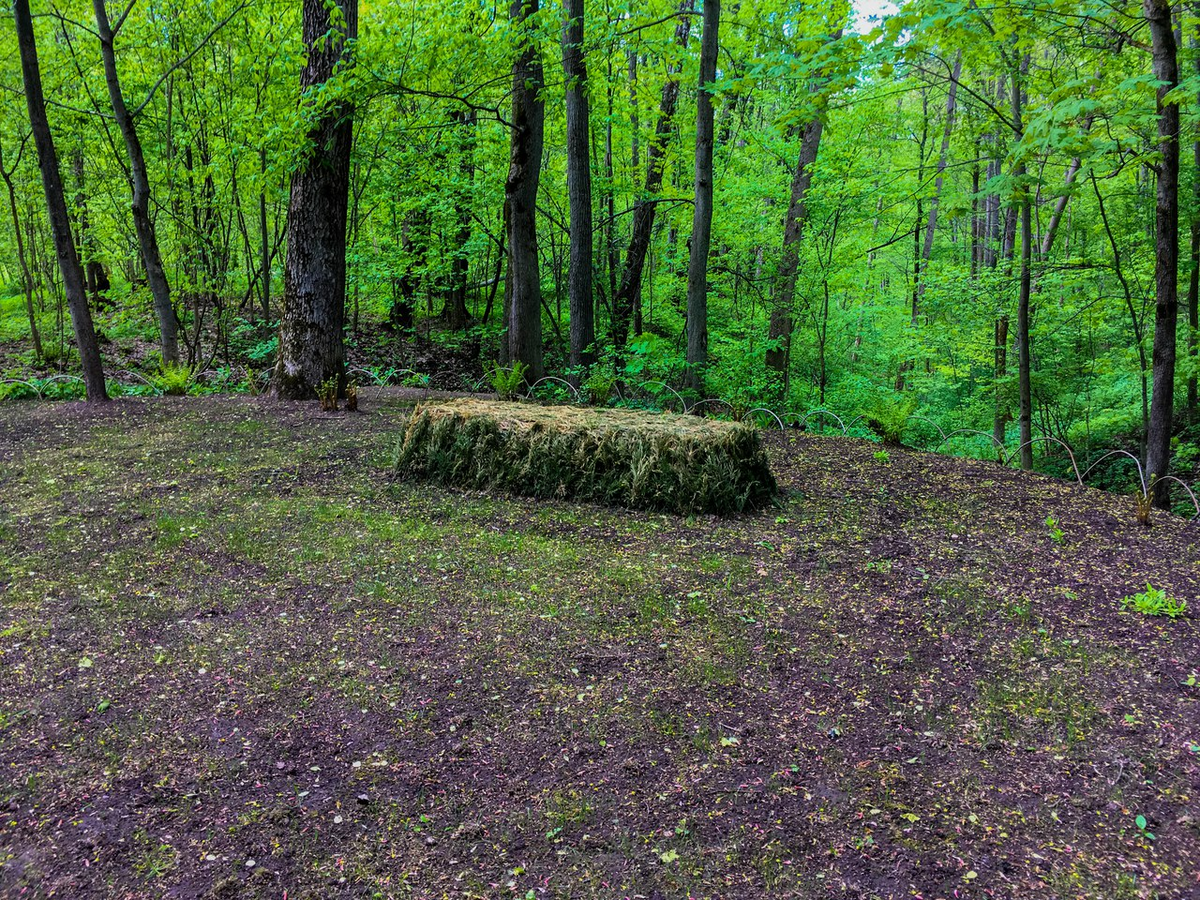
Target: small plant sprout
327 392
1155 602
1142 828
882 456
1056 533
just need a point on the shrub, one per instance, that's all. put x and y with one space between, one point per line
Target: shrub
600 386
887 416
1153 602
507 380
657 461
174 379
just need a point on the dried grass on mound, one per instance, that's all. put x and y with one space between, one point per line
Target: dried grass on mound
657 461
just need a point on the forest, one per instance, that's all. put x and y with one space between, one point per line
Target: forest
973 228
598 450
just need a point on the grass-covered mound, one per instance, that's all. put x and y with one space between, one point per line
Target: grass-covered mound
646 460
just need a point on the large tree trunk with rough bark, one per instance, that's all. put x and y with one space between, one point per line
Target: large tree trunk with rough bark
697 282
1166 275
524 170
579 194
311 348
644 207
56 207
156 276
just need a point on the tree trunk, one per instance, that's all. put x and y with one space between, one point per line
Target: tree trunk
579 192
1166 218
779 328
1025 386
454 312
697 282
56 207
1000 420
264 251
1193 297
644 207
139 179
414 241
524 170
26 275
311 348
1060 207
931 224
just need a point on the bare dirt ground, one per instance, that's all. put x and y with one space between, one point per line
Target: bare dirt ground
237 660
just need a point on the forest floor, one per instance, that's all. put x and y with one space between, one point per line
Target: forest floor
236 660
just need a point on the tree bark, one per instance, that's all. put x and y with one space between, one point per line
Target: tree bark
26 274
697 282
943 154
264 250
1166 218
1001 418
780 324
1024 380
779 328
1193 296
579 192
139 179
455 315
1060 207
524 170
56 207
644 207
311 348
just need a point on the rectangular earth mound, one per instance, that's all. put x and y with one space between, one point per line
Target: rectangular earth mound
645 460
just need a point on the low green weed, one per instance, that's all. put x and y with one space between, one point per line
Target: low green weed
1154 602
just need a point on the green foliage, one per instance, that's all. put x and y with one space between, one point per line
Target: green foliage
653 358
600 386
888 415
1056 533
1143 828
507 380
1154 602
53 387
882 456
327 393
174 379
656 461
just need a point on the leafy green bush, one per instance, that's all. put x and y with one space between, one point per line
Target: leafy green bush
888 414
1154 602
173 379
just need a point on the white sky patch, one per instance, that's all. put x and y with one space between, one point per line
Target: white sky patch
869 13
